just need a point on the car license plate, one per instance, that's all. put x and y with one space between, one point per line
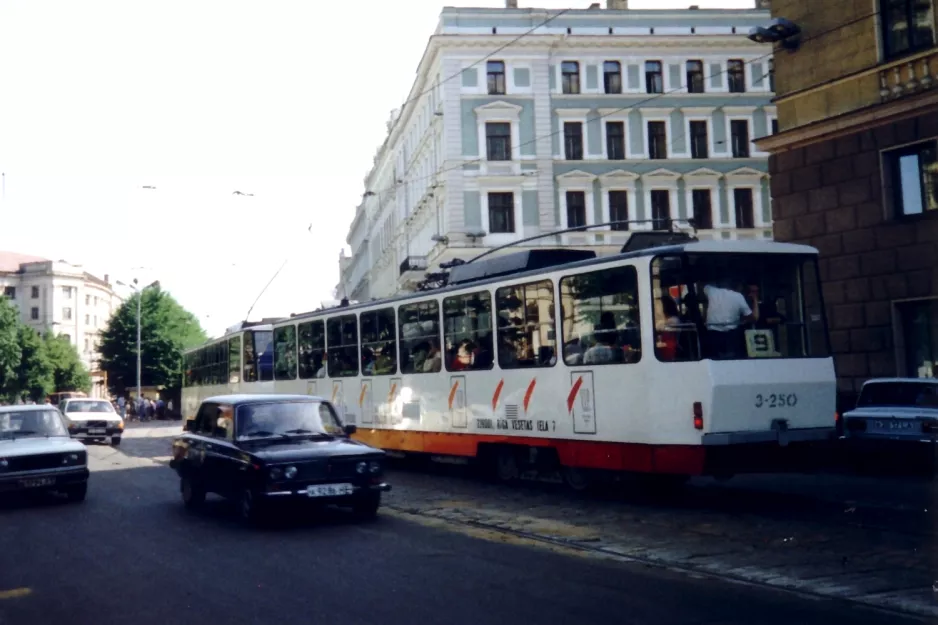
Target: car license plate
328 490
97 430
37 482
895 425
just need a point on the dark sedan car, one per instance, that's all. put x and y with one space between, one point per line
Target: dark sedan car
265 449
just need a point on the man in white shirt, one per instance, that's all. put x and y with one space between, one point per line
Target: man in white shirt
727 311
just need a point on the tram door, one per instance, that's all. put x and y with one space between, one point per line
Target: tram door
366 402
458 411
581 402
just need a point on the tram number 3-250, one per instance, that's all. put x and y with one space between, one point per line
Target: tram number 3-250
776 400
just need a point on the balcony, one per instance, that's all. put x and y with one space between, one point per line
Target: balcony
909 76
412 271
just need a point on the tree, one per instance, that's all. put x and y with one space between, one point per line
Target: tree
10 352
68 372
166 330
34 377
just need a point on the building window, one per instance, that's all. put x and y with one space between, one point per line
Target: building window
660 209
619 210
67 314
498 141
87 320
467 330
654 77
601 317
311 349
772 75
67 292
573 141
736 70
914 175
739 135
576 209
570 77
87 346
496 77
419 329
379 342
9 292
703 208
699 141
774 126
96 321
34 314
87 300
657 140
695 77
525 317
745 213
34 292
501 213
612 77
908 26
919 322
615 141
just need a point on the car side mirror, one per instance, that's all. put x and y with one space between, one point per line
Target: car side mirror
190 425
350 429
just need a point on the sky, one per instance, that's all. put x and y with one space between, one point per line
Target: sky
286 101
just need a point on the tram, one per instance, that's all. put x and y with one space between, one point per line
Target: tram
678 359
241 361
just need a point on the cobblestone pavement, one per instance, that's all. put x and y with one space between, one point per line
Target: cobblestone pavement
865 540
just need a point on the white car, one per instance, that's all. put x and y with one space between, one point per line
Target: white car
895 409
37 454
92 419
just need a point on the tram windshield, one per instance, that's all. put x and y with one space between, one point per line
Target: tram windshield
737 307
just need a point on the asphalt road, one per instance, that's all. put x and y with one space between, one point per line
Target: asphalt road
132 555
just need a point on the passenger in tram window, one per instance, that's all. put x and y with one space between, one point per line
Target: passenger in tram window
573 352
667 330
482 356
433 361
727 312
368 361
605 350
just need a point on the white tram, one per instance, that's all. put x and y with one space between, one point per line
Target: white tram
239 362
641 362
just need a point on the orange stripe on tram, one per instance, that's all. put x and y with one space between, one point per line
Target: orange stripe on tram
573 391
452 393
391 393
361 396
497 394
335 391
529 393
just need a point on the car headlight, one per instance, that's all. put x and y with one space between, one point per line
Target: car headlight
290 472
73 459
119 424
374 466
275 473
362 467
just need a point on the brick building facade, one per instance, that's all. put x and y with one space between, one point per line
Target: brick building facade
855 173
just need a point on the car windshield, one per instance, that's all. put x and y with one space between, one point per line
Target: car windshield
899 394
32 423
297 418
88 406
737 307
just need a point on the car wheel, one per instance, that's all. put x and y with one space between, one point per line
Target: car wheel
77 492
115 440
366 506
249 508
193 495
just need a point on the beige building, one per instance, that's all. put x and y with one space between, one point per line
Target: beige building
63 298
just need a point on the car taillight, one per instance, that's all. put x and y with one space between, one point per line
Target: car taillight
930 425
698 415
836 418
856 425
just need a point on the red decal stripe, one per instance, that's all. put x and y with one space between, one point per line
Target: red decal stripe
573 391
452 393
498 392
391 394
528 393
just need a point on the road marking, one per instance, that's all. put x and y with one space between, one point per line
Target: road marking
16 593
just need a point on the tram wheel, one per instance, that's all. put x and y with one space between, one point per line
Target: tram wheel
506 465
577 479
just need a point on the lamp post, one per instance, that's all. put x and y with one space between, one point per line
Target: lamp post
139 293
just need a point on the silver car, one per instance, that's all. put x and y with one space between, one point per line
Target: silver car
37 453
895 409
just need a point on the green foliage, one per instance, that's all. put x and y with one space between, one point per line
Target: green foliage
32 367
166 330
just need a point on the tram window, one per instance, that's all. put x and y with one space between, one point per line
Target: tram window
378 342
264 346
342 347
285 353
234 359
311 342
419 330
250 358
737 307
601 322
467 330
525 321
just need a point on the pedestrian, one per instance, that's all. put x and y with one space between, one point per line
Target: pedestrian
122 406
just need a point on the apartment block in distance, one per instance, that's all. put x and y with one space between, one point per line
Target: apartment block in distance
589 117
855 173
